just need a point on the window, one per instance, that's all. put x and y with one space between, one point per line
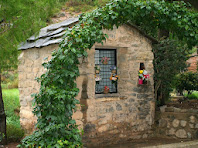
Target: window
105 59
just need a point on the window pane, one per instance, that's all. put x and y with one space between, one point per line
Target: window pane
105 72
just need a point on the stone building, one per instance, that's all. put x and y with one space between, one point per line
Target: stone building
126 112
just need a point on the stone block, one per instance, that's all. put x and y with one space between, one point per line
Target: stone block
89 127
145 136
181 133
78 115
175 123
183 123
192 119
196 126
191 125
101 122
162 108
142 96
131 100
171 132
115 131
162 123
169 109
177 110
189 135
104 128
118 107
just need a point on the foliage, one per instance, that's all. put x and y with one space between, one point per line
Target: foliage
14 133
193 95
19 20
169 59
9 79
84 6
55 103
187 81
1 136
11 103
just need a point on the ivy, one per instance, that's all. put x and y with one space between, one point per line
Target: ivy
55 103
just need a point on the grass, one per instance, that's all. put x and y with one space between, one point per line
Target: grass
84 6
12 105
194 95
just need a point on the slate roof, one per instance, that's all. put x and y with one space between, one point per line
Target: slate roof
51 34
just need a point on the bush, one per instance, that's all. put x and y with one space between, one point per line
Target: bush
14 133
187 81
9 79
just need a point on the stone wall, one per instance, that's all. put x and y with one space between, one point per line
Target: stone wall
177 123
30 67
128 114
105 118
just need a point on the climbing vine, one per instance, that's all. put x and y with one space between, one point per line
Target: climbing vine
55 102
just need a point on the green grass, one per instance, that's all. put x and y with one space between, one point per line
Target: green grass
194 95
84 6
11 102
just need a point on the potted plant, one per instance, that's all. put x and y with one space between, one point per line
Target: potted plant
98 79
97 69
106 90
143 76
113 69
114 77
105 60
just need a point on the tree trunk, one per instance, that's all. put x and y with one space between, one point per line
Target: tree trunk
2 118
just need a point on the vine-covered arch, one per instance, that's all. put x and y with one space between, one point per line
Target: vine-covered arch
56 101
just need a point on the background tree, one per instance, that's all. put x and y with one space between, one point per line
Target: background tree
18 21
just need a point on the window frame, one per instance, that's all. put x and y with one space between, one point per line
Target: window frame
115 57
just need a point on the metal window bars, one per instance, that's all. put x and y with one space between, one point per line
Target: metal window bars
105 71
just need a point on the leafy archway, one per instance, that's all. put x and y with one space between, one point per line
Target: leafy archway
56 101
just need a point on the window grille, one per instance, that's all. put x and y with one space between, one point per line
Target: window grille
105 72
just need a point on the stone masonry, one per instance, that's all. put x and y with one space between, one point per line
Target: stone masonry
177 123
105 118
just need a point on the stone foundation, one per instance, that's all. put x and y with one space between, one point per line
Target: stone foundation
177 123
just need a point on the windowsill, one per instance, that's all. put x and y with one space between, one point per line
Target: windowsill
109 97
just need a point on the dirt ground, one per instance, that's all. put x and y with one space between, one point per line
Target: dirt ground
144 142
10 145
184 104
130 144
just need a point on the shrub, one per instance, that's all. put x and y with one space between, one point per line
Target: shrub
14 133
187 81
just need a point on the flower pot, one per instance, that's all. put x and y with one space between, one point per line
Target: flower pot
106 91
105 62
97 71
140 81
113 71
